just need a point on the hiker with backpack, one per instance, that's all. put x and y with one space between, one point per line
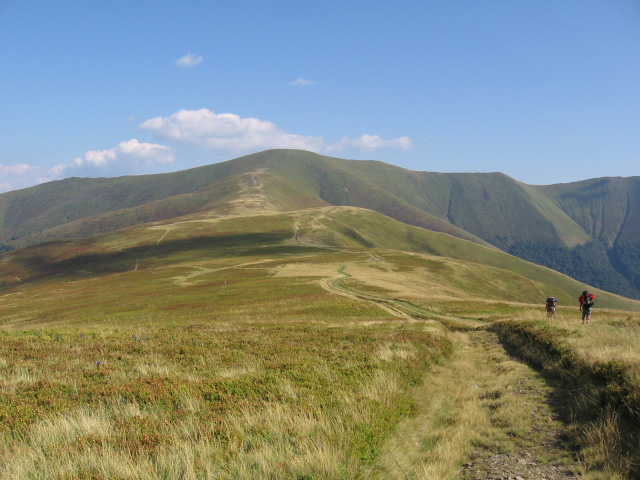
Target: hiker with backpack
550 306
586 303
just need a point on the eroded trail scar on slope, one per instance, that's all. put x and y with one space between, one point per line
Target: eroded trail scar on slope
399 308
167 229
186 280
333 286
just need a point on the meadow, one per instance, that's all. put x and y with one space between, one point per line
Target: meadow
193 349
230 374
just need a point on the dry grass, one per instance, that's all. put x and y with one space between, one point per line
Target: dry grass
474 402
610 335
178 401
599 364
228 360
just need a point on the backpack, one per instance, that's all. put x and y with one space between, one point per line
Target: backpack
588 302
550 302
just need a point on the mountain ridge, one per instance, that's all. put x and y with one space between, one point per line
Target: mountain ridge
546 224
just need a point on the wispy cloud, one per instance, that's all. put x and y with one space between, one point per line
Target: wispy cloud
224 133
124 158
18 169
369 143
301 82
19 175
190 60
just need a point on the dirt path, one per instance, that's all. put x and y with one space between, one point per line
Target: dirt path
296 229
481 408
330 285
167 229
399 308
163 235
200 270
256 181
333 285
186 280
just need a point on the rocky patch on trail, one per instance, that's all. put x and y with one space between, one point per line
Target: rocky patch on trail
505 466
531 452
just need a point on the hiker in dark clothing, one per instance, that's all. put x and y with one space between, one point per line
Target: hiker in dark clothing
586 303
550 306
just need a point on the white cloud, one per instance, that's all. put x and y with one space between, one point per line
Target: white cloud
301 82
125 158
226 132
190 60
369 143
19 175
122 159
230 133
57 170
130 151
17 169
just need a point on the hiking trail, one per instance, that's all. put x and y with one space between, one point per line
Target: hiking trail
481 388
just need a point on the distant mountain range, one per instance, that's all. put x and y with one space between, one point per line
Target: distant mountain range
589 230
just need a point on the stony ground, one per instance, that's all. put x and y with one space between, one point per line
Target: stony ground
519 466
534 461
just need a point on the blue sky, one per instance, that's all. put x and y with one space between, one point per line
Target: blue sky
544 91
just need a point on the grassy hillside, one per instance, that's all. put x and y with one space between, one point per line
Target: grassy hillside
345 229
550 225
266 345
369 229
38 211
487 206
471 206
226 197
608 209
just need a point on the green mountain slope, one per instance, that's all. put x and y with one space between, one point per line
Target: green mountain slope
37 211
607 209
184 249
480 207
217 199
551 225
32 210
